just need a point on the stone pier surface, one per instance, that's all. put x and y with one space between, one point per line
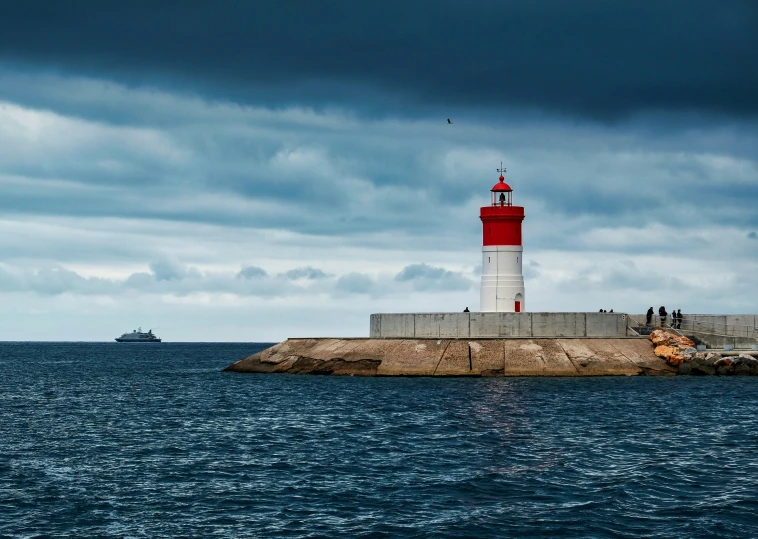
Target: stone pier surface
459 357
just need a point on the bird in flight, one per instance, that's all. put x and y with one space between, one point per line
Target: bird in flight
448 121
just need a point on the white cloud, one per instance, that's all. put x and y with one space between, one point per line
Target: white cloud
423 277
252 272
305 272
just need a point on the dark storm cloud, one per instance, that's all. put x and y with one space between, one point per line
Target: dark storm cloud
588 57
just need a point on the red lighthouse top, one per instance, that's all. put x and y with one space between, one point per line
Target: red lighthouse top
501 186
501 219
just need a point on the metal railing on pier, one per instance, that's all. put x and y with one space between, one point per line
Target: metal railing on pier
685 324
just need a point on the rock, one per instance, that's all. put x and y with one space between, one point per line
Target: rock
724 362
685 368
742 369
725 369
745 364
662 337
700 360
683 342
670 354
673 348
664 351
742 360
703 370
658 337
700 365
675 360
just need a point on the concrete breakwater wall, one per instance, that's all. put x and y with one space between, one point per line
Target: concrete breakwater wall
453 357
497 325
721 323
714 330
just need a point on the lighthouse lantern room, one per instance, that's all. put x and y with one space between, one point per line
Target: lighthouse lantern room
502 277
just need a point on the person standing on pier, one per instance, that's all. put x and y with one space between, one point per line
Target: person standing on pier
679 319
662 313
649 317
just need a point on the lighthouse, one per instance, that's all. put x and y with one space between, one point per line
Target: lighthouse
502 279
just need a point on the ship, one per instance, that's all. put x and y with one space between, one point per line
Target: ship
138 336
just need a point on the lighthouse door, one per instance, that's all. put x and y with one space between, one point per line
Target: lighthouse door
517 307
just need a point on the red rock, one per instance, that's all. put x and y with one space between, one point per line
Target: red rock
659 337
668 346
675 360
682 342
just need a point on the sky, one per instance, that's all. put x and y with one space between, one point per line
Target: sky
252 171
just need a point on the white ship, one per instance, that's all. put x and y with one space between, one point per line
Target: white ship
138 336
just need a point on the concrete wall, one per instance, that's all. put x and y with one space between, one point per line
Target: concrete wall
495 325
737 329
733 322
727 324
486 325
713 330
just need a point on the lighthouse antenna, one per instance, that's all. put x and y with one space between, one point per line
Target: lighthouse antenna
501 170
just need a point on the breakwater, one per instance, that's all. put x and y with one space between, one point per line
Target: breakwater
457 357
517 344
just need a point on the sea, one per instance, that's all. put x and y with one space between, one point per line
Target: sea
154 440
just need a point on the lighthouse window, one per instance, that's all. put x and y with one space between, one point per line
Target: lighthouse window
489 259
517 259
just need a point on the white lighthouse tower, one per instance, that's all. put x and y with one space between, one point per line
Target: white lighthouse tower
502 278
